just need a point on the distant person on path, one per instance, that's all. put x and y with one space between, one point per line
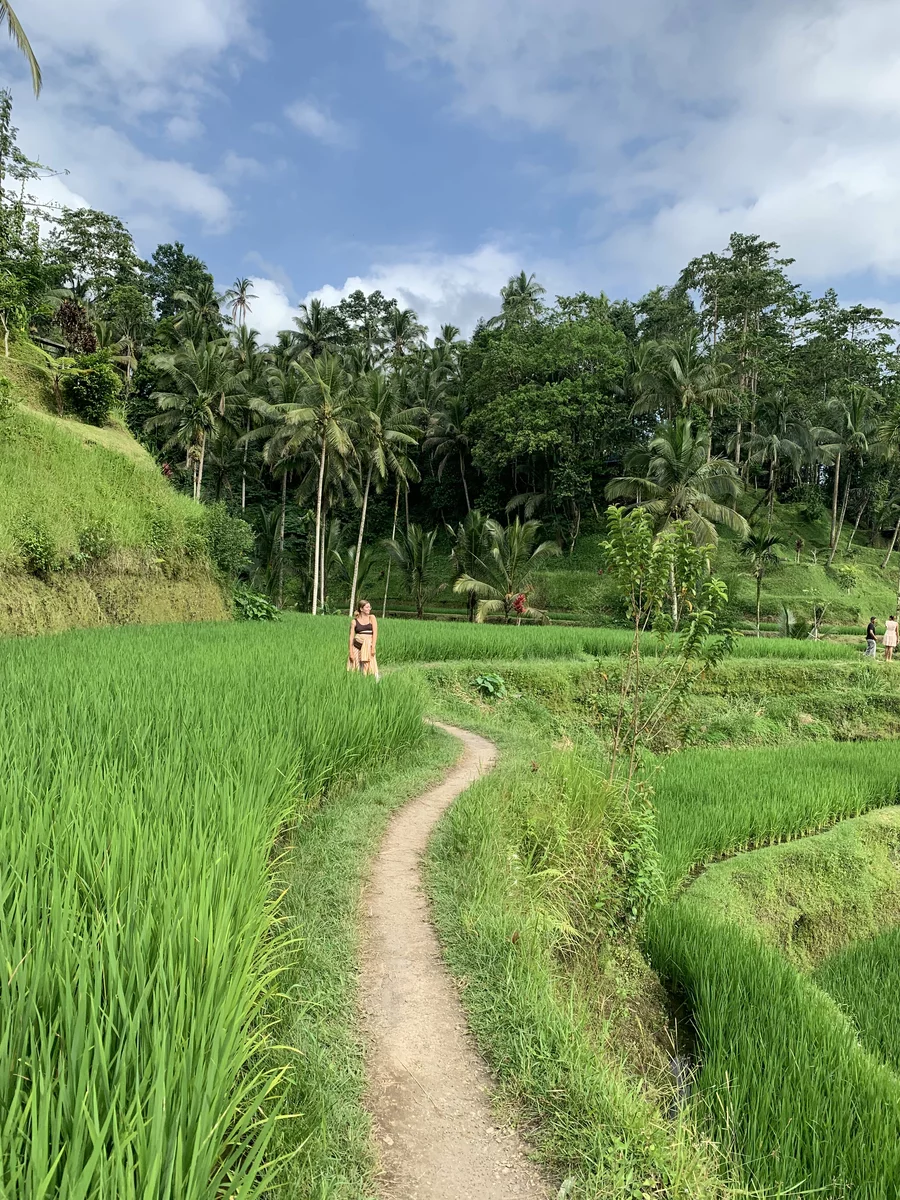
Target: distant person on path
871 639
363 639
890 638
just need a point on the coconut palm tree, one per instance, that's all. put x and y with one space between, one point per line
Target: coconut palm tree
675 479
760 547
404 331
238 297
854 431
383 430
412 550
316 331
520 302
204 380
781 436
331 407
201 312
447 438
18 35
286 429
405 472
470 544
253 366
678 378
502 579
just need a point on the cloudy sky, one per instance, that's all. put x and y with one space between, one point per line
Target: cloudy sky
433 147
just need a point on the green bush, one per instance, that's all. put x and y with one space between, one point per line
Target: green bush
37 547
96 541
8 400
91 389
251 606
847 577
230 540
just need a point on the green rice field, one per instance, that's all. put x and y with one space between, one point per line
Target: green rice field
864 979
148 776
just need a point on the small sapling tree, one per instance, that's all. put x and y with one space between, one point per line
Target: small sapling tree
648 569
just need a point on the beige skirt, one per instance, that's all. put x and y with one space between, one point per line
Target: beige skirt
362 656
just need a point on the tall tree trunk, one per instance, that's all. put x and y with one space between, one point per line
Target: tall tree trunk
387 581
758 601
673 587
406 505
359 541
244 470
890 548
284 481
840 524
462 472
737 444
323 584
834 501
200 466
315 594
771 491
862 509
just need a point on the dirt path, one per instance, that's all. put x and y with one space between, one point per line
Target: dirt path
429 1090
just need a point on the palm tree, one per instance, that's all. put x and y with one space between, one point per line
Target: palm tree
203 379
404 331
383 431
405 472
470 544
201 313
315 329
253 367
446 438
239 297
17 34
353 570
502 579
520 302
331 406
759 547
780 436
675 479
287 432
855 431
411 550
677 377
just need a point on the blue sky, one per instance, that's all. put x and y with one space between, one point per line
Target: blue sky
433 148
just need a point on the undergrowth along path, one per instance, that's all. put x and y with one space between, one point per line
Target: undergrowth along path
429 1089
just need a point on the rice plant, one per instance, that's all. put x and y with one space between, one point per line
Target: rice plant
147 774
864 979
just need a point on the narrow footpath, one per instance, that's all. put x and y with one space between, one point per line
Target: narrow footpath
429 1090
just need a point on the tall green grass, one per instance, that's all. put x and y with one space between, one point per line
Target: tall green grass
146 777
712 802
864 979
783 1081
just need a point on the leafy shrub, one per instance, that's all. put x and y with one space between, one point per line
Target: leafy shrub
7 398
809 497
251 606
37 547
230 540
847 577
91 388
489 686
96 541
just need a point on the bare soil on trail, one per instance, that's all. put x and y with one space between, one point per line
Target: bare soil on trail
429 1090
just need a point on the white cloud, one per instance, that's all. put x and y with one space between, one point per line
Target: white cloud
690 120
272 310
310 118
453 289
115 67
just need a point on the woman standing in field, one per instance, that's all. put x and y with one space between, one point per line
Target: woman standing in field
890 638
363 639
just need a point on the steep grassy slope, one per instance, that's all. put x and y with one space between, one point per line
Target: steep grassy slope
90 531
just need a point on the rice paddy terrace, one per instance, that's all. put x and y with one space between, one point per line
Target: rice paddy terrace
686 991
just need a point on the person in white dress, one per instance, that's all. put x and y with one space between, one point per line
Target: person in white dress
890 638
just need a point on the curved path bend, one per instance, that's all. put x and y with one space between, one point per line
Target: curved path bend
429 1090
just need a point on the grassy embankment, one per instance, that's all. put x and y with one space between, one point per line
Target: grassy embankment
864 979
90 531
144 852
